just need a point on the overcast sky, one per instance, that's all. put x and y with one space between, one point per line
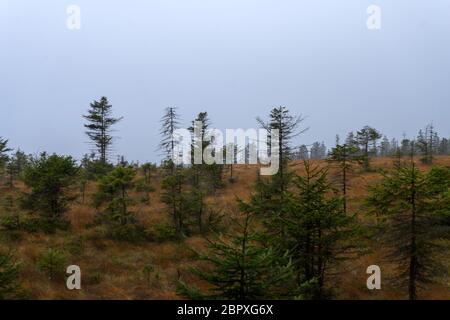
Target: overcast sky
235 59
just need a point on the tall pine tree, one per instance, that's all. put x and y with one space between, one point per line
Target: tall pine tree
173 194
344 157
99 127
366 139
288 127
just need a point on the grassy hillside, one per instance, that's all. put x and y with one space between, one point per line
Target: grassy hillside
115 270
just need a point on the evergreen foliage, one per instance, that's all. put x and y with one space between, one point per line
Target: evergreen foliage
50 179
241 268
99 127
415 208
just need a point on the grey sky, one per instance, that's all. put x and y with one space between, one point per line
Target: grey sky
235 59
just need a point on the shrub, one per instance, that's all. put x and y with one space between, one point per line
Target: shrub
52 263
163 232
132 232
50 179
9 274
120 223
10 222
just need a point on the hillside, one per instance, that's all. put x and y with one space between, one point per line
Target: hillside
114 270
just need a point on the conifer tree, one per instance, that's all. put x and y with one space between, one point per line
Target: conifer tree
198 171
315 230
444 146
270 191
52 263
204 178
344 157
173 184
318 151
350 140
113 191
303 153
3 153
415 207
385 147
367 138
236 152
50 179
405 148
174 196
241 268
148 170
170 122
288 127
9 275
15 166
428 143
99 127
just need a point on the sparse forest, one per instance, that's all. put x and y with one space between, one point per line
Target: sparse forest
222 230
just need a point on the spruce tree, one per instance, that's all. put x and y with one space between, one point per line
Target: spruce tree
303 153
204 178
428 144
315 230
113 193
385 147
50 180
268 197
148 169
3 153
174 196
350 140
367 138
170 122
9 276
15 166
288 127
99 127
444 146
241 268
236 152
414 207
344 157
315 151
173 184
198 172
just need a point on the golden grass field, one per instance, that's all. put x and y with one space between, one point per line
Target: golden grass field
114 270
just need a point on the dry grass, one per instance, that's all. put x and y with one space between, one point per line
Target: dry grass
114 270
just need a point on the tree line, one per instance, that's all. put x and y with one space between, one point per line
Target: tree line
285 242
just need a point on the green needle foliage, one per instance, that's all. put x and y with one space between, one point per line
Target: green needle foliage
415 208
315 230
52 262
241 268
366 139
9 274
310 224
344 157
3 153
113 192
99 127
288 127
50 179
